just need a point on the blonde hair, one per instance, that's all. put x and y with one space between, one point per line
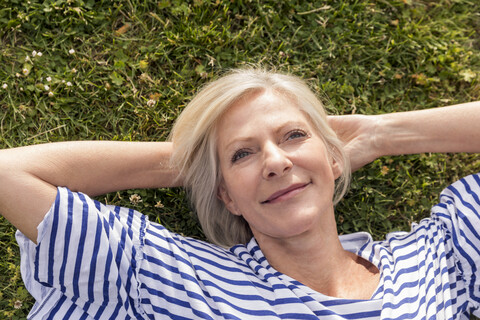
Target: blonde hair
195 153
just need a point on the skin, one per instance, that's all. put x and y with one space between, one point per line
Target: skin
29 176
278 175
449 129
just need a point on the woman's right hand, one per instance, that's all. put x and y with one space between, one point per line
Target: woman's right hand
29 175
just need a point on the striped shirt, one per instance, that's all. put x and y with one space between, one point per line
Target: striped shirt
95 261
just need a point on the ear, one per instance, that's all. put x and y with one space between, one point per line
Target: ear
222 194
337 169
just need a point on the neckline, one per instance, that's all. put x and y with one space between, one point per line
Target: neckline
353 242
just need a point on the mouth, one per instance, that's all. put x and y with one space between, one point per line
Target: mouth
286 193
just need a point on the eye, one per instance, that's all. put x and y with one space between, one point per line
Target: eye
242 153
295 134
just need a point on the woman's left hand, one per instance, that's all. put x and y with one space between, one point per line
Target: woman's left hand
358 133
448 129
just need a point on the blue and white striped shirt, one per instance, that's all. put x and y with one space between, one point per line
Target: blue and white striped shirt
104 262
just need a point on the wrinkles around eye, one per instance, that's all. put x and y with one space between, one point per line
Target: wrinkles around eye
242 153
297 133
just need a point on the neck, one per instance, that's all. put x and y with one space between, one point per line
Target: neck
314 259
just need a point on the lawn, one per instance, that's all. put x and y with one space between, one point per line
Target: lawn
124 70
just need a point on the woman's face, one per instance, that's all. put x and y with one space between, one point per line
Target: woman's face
276 170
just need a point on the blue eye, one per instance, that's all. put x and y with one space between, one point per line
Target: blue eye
297 133
239 155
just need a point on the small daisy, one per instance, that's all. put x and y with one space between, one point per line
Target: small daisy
39 54
135 199
25 71
74 70
69 84
34 53
49 79
50 94
71 51
151 103
18 75
46 87
18 304
4 86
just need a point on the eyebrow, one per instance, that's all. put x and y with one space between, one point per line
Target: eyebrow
276 131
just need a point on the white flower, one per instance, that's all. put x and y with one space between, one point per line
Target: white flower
151 103
18 75
4 86
49 79
39 54
71 51
50 94
25 71
34 53
21 88
27 58
74 70
135 199
46 87
69 84
63 81
18 304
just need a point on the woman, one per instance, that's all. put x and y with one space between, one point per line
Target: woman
256 152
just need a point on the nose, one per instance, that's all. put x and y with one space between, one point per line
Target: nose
276 162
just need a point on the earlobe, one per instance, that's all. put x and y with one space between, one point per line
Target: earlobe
223 195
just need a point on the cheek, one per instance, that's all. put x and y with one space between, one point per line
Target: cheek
242 177
242 190
311 158
317 156
239 187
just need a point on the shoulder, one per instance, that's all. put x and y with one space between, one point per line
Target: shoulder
465 190
459 205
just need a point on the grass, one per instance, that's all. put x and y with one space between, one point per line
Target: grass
123 70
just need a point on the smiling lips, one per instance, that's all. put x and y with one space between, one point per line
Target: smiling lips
286 193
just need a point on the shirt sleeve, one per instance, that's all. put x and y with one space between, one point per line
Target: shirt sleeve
89 252
459 212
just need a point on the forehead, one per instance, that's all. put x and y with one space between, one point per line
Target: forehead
258 112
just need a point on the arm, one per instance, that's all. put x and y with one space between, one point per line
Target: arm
448 129
29 175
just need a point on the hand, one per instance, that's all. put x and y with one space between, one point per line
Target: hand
358 133
92 167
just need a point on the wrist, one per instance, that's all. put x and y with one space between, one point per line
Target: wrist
402 133
383 136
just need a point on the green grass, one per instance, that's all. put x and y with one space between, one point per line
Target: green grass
365 57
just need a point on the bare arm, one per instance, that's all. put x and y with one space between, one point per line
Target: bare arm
448 129
29 175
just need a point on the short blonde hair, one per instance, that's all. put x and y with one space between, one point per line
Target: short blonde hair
195 147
